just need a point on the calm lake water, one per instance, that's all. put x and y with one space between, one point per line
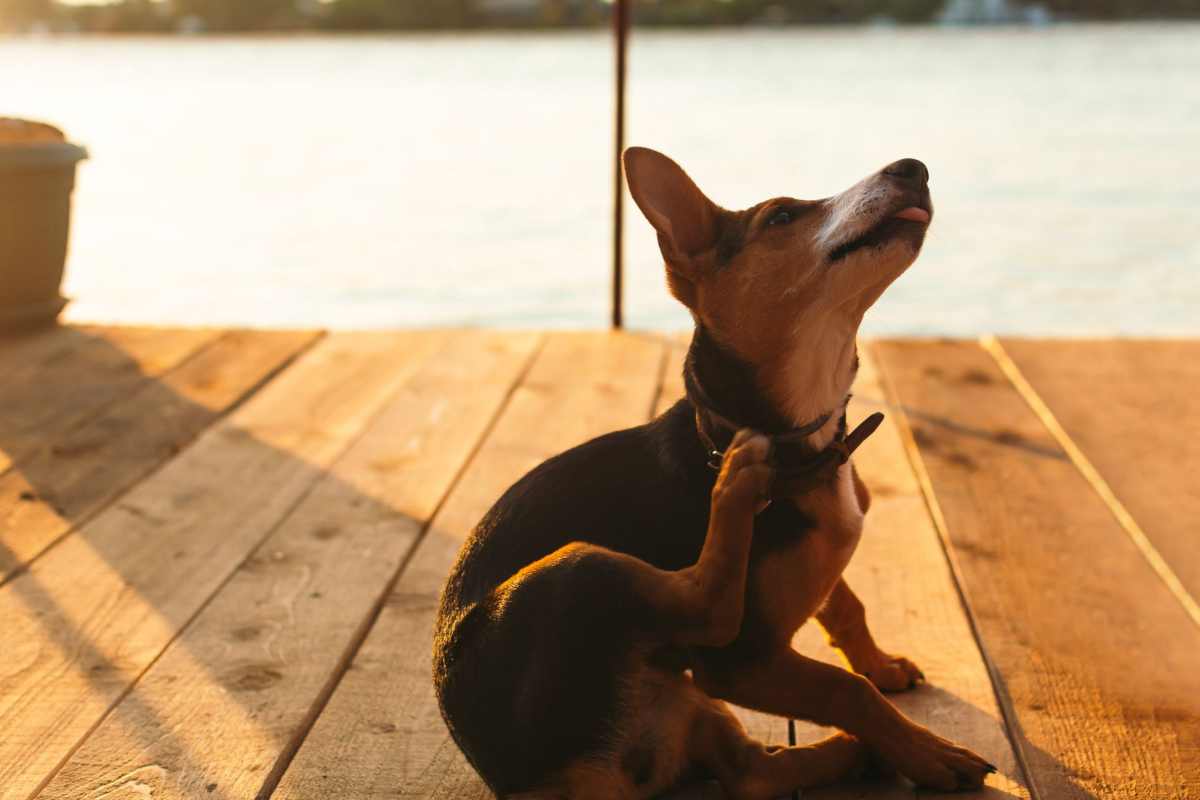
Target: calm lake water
388 181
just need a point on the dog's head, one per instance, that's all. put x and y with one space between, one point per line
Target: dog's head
786 282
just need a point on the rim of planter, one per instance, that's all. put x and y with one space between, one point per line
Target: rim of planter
41 154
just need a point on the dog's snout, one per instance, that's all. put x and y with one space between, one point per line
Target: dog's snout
908 169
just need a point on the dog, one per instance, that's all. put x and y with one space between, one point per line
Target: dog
614 599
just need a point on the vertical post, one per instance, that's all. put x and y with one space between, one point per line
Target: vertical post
621 31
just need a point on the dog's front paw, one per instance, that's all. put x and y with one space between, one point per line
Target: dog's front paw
892 673
929 760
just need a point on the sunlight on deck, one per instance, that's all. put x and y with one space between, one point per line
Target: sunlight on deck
221 552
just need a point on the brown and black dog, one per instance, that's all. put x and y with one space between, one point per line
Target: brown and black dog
617 596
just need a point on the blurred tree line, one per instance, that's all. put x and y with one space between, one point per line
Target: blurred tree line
283 15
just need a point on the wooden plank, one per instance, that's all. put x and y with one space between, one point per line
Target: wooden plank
54 380
225 703
18 349
1098 659
88 617
71 477
913 607
1131 406
28 350
381 734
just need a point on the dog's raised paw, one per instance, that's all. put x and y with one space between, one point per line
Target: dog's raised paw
745 479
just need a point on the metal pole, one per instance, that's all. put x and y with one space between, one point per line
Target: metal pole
621 31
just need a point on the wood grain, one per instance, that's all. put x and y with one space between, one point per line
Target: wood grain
55 379
381 734
1132 407
1098 660
75 473
230 698
87 618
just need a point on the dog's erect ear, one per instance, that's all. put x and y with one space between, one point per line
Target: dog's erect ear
685 219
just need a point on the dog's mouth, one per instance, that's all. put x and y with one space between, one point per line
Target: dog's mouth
910 220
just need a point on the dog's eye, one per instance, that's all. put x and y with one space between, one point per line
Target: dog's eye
781 217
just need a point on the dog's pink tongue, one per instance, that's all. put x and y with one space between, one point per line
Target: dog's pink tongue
913 214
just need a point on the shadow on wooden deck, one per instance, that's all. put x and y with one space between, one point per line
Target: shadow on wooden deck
220 547
183 584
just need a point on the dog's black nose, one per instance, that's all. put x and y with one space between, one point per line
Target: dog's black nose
908 169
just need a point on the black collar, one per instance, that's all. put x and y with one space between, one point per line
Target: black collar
799 467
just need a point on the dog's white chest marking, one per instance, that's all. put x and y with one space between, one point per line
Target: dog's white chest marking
796 580
849 511
839 524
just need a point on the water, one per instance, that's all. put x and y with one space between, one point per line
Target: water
412 180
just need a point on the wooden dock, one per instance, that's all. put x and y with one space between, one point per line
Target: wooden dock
221 550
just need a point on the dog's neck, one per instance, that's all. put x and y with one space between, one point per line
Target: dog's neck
807 381
804 387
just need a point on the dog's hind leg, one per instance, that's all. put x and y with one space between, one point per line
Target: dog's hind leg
582 622
674 732
697 605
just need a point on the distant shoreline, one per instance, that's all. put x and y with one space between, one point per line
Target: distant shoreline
459 17
581 31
